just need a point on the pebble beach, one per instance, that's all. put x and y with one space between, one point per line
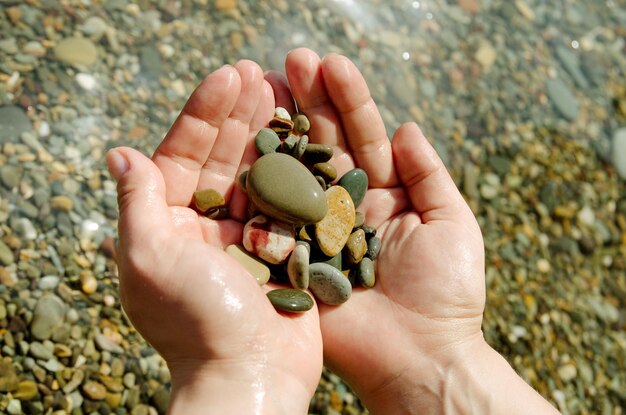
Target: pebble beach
524 100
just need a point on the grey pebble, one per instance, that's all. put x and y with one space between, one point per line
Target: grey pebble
329 284
366 273
48 316
373 247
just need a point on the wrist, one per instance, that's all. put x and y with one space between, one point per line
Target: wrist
245 387
473 378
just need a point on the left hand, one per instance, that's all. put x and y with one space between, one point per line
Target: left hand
226 346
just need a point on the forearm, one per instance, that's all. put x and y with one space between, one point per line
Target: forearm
219 389
480 382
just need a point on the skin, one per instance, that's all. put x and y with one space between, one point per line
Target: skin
227 349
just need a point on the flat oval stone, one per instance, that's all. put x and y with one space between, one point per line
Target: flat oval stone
373 247
208 199
326 170
281 112
266 141
317 153
290 300
333 231
269 239
256 268
283 188
355 182
301 123
366 273
298 267
329 284
356 246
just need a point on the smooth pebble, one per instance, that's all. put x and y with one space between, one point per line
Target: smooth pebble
269 239
298 267
333 231
256 268
290 300
329 284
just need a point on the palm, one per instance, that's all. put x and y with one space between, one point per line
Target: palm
430 285
178 276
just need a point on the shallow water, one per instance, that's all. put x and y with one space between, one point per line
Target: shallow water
524 101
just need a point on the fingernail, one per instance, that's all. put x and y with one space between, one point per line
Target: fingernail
117 164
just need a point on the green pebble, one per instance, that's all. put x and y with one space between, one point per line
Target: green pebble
334 261
373 247
366 273
266 141
317 153
355 182
300 147
208 199
290 300
284 189
325 170
301 123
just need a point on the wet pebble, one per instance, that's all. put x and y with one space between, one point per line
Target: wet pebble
266 141
355 182
298 267
366 273
290 300
329 284
207 199
333 231
269 239
299 199
49 315
256 268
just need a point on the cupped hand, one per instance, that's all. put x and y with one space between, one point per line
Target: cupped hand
426 308
196 305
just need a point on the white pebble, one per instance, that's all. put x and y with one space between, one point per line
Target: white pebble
567 372
49 282
543 266
109 300
86 81
44 129
586 216
280 112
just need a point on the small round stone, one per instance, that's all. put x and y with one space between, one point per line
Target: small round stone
290 300
281 112
298 267
317 153
355 182
373 247
325 170
207 199
26 390
300 147
94 390
266 141
366 273
329 284
301 123
356 246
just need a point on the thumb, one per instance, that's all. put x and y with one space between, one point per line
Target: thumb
140 195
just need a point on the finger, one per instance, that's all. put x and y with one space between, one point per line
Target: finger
187 145
264 112
304 72
141 197
282 93
220 170
362 124
425 178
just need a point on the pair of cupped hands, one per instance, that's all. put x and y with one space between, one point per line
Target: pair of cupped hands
228 349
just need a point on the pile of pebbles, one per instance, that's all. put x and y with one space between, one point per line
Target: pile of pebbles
303 226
